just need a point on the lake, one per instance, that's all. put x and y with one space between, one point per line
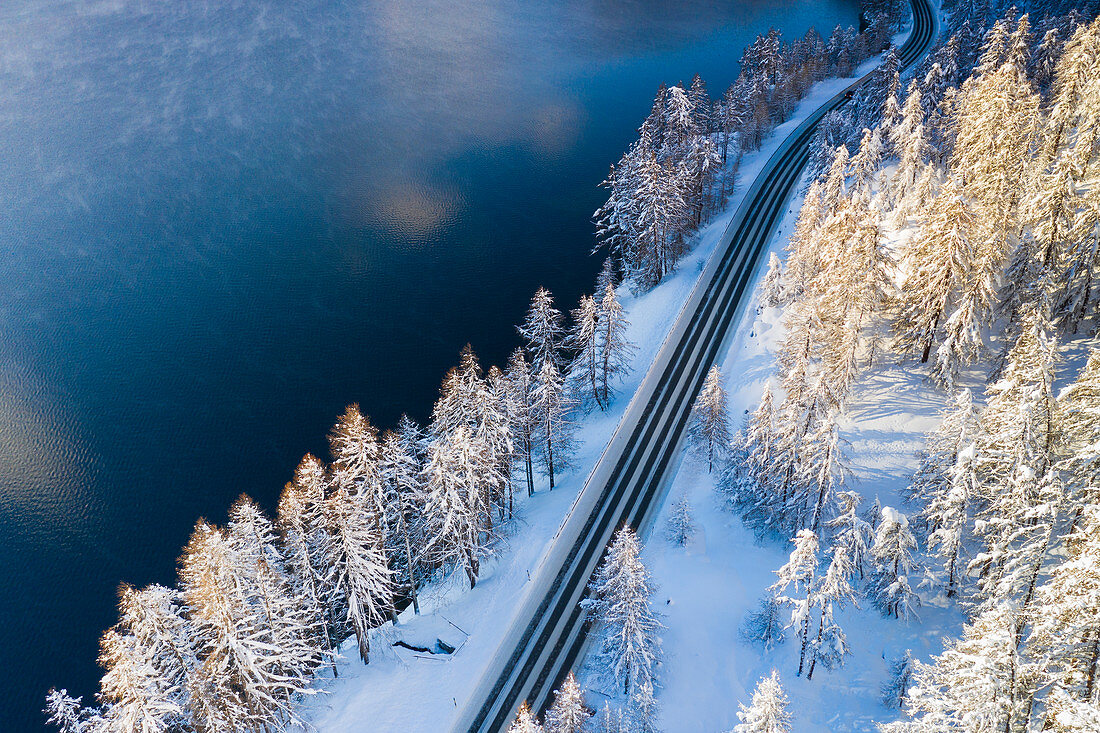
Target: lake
221 221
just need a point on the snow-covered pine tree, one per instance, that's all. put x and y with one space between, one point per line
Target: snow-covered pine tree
852 532
354 446
947 516
660 215
524 418
1022 496
799 577
543 331
503 412
750 484
568 714
308 544
241 683
896 686
581 341
892 553
1079 432
768 712
710 427
613 349
262 569
957 430
822 471
937 265
764 626
771 287
830 646
681 523
1063 647
629 644
402 474
360 569
910 146
525 721
149 656
609 721
454 518
133 696
971 685
553 408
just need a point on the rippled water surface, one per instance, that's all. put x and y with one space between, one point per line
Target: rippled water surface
222 221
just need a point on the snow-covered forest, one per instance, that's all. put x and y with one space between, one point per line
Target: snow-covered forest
264 605
951 223
960 233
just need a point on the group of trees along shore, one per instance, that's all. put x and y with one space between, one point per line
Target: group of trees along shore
265 605
684 163
958 233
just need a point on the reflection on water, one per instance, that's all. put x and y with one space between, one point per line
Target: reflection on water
222 220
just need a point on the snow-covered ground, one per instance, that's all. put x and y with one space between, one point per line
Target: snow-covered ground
412 691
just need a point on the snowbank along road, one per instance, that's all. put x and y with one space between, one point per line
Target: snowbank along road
549 634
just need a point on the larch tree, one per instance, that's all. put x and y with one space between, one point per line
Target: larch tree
795 586
568 714
710 428
360 568
832 593
768 712
581 341
771 287
402 474
971 685
526 721
553 408
614 350
629 644
896 686
543 331
681 523
938 263
354 446
308 544
524 418
852 532
454 523
892 553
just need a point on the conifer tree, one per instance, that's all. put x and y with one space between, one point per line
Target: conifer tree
893 557
771 287
542 331
360 570
65 713
619 598
568 714
764 626
831 594
852 532
354 445
614 350
581 341
454 518
308 546
939 264
768 712
799 576
525 721
681 524
524 418
402 474
710 427
896 687
554 432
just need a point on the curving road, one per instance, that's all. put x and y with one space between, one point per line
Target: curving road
550 634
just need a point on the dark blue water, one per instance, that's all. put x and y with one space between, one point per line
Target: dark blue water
222 221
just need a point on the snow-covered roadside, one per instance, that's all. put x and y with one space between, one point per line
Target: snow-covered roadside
413 691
